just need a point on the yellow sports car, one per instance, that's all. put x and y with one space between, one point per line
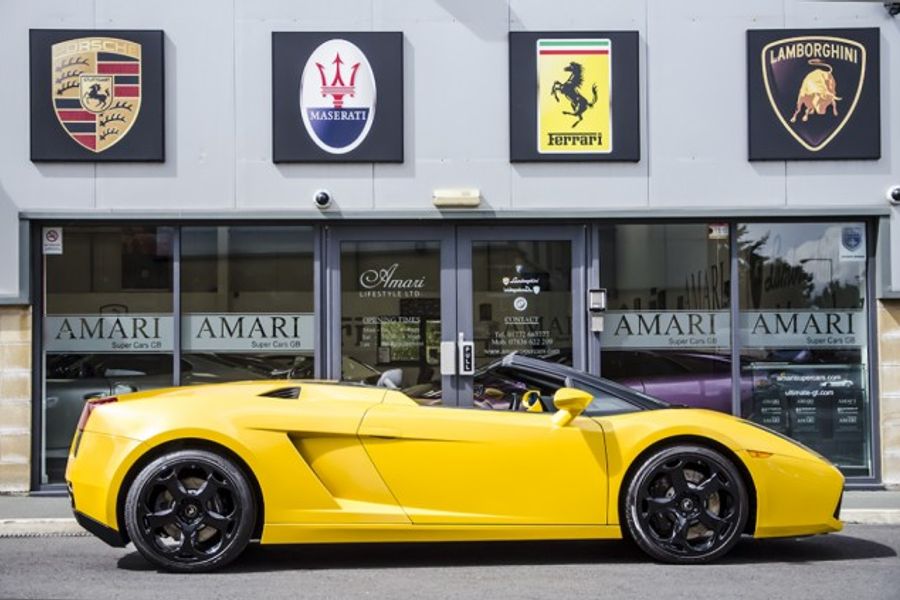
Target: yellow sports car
192 475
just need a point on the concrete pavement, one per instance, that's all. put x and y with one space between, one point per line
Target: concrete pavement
22 515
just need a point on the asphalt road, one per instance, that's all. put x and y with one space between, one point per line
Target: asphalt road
862 562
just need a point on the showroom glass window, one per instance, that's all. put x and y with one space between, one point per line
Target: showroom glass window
108 326
247 303
803 335
667 329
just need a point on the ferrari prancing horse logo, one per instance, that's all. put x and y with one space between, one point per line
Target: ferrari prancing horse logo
96 89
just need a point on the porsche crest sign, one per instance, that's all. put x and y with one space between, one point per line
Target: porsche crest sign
96 95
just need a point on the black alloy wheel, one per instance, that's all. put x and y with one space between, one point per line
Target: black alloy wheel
686 504
190 511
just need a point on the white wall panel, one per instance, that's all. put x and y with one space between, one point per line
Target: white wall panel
860 182
199 80
698 105
23 184
456 102
261 184
584 186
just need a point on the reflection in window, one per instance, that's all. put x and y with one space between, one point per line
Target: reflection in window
247 302
108 326
667 330
803 335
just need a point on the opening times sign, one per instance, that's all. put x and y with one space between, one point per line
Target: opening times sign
201 332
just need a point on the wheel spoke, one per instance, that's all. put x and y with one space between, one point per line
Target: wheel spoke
710 486
187 546
209 489
676 478
216 521
655 505
712 522
679 532
174 485
160 518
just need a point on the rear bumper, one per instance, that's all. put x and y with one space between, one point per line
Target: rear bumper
107 534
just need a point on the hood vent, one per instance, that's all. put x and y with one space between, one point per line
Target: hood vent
287 393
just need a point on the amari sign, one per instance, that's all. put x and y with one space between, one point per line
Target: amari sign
813 94
201 332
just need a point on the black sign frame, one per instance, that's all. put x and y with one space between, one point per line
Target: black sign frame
290 140
625 91
144 142
858 136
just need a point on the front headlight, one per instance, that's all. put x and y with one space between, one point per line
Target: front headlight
787 439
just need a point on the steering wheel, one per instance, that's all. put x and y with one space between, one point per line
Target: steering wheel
531 401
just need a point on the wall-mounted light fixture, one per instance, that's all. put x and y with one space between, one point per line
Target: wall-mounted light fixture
456 197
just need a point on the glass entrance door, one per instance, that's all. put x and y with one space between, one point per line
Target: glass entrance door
391 294
519 290
407 302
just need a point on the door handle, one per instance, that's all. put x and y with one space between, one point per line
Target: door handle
466 356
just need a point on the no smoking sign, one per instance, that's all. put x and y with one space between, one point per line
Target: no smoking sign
52 238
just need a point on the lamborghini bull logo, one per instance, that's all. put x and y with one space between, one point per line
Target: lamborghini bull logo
797 93
817 92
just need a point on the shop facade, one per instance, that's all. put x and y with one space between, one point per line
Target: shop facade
768 289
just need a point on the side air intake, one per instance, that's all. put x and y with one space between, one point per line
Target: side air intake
287 393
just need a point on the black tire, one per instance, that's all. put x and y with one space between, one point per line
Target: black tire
190 511
686 505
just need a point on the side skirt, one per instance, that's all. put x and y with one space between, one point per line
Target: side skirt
355 533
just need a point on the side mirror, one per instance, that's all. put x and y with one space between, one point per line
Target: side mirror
569 403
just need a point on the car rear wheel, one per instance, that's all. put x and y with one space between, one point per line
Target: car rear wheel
686 504
190 511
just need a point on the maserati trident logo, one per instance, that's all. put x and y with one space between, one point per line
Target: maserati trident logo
96 89
813 84
337 96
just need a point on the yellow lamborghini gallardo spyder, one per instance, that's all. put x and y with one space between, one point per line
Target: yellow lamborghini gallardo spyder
192 475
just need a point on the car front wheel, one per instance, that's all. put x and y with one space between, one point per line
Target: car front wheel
190 511
686 504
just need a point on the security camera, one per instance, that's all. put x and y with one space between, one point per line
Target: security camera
893 195
322 199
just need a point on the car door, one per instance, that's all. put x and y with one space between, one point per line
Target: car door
474 466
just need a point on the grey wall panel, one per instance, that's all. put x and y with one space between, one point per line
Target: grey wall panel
455 81
697 84
859 182
199 80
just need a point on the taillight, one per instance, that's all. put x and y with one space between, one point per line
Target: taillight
89 407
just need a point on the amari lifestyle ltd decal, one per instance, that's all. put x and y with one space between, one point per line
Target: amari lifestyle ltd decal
814 94
337 97
96 95
574 96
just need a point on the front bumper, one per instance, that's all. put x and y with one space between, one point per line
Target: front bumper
796 496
